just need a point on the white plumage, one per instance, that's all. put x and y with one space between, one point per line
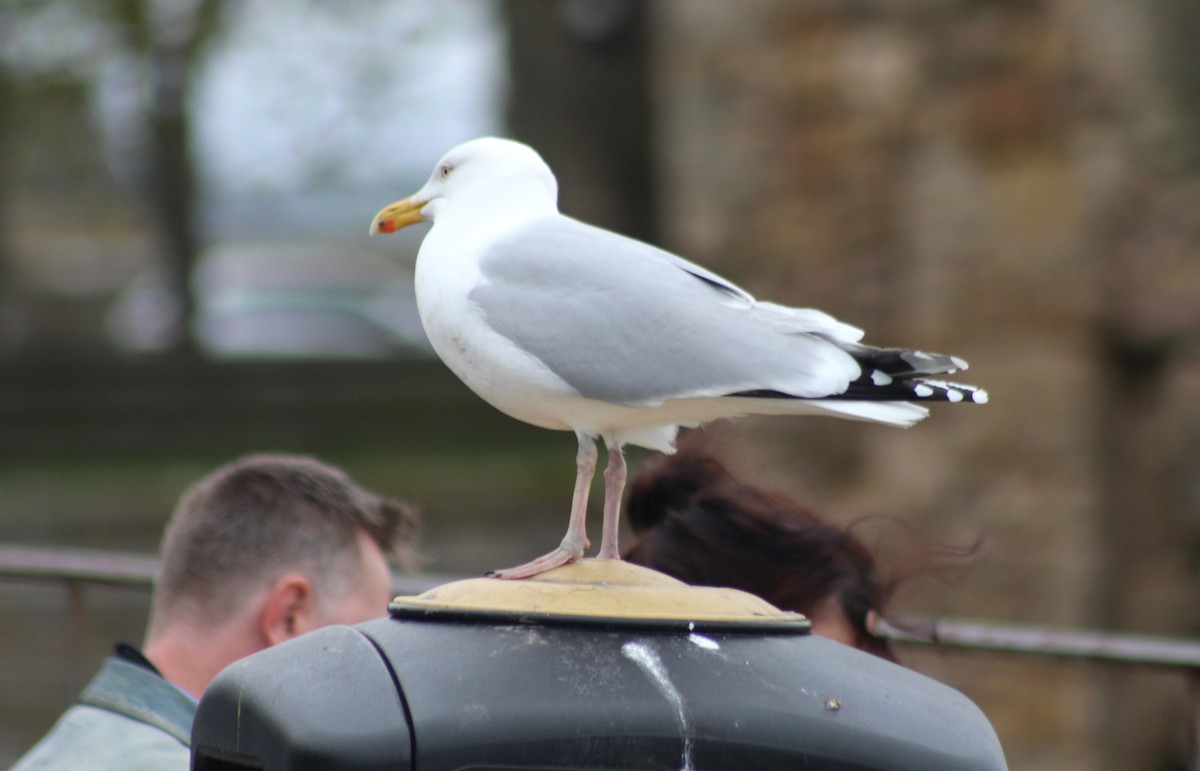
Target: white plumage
572 327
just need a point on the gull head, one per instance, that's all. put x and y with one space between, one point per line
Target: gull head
488 174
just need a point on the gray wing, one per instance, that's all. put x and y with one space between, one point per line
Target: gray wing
625 322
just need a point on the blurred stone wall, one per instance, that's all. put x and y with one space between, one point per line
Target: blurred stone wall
1015 183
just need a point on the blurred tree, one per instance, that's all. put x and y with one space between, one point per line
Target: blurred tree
167 38
7 101
580 94
161 42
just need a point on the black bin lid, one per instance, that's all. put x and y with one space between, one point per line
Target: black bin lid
458 680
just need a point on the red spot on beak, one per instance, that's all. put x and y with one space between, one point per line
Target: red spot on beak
387 226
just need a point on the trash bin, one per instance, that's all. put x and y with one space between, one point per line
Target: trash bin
598 665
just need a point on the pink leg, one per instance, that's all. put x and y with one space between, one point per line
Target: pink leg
575 541
614 487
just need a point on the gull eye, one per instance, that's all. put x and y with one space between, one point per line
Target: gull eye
444 170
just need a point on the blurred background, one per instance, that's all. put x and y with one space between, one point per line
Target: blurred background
185 277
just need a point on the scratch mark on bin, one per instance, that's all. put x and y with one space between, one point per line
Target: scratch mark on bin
649 662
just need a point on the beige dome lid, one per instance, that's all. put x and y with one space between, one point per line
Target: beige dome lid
604 592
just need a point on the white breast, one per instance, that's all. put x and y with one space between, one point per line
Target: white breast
502 374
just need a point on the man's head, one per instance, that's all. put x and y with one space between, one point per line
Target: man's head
273 546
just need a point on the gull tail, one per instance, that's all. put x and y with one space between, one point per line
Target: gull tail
901 414
890 380
896 374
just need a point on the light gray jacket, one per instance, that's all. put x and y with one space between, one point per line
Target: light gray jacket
127 718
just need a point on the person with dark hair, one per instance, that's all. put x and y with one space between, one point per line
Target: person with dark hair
693 520
260 551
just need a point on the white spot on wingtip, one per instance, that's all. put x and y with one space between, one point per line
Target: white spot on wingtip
922 390
954 395
880 378
980 397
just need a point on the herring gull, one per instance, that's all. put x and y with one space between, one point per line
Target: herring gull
572 327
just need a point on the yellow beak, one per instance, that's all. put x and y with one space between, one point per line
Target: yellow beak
401 214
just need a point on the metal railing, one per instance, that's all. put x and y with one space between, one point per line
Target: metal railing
1181 656
75 569
1045 642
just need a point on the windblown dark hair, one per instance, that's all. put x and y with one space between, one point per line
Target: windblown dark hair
695 521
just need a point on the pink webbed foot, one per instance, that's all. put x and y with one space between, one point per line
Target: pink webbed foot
554 559
570 550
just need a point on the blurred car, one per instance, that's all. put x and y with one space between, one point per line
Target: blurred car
279 299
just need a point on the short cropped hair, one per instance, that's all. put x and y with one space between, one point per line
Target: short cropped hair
256 519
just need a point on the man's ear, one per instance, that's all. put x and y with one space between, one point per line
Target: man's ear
288 609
